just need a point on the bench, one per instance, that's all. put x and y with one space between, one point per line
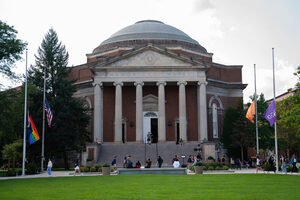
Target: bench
152 171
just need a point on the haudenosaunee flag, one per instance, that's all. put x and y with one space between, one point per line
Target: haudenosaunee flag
48 113
270 113
251 112
33 135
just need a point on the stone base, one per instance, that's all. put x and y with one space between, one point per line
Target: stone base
209 149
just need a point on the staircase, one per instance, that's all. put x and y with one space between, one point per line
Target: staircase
137 151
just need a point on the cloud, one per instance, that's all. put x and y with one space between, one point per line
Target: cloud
202 5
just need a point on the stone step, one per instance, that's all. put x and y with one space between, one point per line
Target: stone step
140 151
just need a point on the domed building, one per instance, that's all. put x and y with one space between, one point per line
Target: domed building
150 77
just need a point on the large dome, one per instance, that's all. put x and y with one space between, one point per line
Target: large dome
149 30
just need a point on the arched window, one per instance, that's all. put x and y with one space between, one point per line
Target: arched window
215 120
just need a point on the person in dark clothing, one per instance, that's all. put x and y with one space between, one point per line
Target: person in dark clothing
138 164
148 163
159 161
129 162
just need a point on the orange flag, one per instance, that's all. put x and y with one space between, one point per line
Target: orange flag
251 112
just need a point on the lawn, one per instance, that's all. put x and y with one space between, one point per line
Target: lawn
231 186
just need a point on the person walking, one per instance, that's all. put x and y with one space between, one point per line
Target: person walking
283 162
258 164
159 161
49 167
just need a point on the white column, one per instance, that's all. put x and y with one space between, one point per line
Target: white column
161 111
182 110
139 111
98 112
202 111
118 111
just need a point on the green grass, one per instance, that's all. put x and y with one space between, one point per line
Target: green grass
231 186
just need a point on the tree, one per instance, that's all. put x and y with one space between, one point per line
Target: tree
288 118
265 131
11 49
236 135
70 120
298 76
13 152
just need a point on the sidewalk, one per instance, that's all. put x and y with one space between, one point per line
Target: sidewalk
71 173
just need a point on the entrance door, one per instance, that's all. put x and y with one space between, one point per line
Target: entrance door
177 133
123 133
154 130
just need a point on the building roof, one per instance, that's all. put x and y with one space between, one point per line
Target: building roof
149 30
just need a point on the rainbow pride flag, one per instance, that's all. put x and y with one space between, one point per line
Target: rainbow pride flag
33 135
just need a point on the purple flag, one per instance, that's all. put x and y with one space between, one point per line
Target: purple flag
270 113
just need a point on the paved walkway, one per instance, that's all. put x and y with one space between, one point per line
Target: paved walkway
71 173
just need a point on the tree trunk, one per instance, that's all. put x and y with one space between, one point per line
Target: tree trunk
66 163
8 164
242 153
14 163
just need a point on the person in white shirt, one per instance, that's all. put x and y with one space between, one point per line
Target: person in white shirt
49 167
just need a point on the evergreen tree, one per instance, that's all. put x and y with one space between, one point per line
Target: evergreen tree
68 131
236 135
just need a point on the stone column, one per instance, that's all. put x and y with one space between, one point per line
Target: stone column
118 111
139 111
161 111
98 112
202 111
182 110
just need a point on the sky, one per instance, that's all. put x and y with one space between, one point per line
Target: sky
237 32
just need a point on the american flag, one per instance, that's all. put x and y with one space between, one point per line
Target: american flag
49 113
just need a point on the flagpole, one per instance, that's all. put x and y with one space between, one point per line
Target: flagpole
43 132
256 115
276 147
25 111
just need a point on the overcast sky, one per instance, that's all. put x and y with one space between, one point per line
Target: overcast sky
237 32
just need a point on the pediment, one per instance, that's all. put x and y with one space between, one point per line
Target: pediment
150 98
150 58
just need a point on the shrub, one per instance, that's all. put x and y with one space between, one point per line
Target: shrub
219 168
97 167
205 168
89 159
210 158
289 167
87 169
93 169
192 168
100 169
106 165
225 167
11 172
199 164
211 168
31 168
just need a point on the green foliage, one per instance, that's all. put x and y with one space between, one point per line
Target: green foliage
93 169
11 49
13 151
288 118
105 165
210 168
97 167
31 168
225 167
70 118
199 164
210 158
192 168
